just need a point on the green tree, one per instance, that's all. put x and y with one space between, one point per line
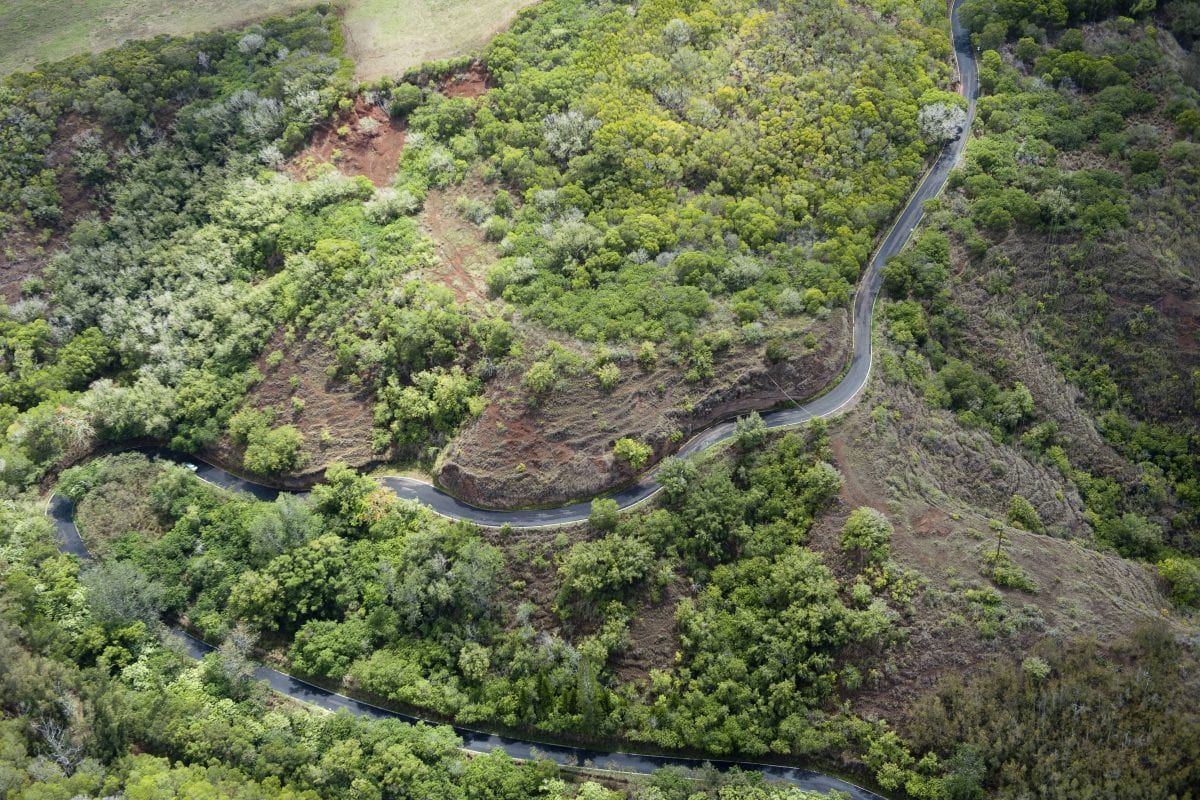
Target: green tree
632 452
604 514
868 533
1182 574
118 592
676 475
604 568
1132 534
1022 514
349 502
608 376
230 667
749 432
540 378
274 450
432 407
328 648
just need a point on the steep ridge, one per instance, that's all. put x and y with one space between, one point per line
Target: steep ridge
838 398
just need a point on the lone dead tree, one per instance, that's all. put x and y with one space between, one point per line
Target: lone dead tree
62 745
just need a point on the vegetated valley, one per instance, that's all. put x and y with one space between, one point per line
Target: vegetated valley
530 272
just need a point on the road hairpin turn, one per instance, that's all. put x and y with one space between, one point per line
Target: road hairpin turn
838 398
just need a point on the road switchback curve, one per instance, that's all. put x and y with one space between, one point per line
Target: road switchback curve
838 398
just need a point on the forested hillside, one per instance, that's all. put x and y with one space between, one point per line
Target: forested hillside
704 160
669 188
702 186
177 251
1068 248
532 272
95 703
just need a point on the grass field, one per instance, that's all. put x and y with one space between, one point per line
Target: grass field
384 36
388 36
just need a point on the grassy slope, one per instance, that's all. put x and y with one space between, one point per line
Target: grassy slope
384 36
388 36
33 31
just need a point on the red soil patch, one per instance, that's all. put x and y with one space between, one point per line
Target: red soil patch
521 453
335 417
369 144
475 82
463 254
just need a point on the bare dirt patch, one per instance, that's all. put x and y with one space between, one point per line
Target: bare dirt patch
23 256
520 453
336 418
653 637
1183 314
25 252
531 558
361 141
473 82
463 254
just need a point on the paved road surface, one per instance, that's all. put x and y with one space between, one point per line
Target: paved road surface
839 397
61 510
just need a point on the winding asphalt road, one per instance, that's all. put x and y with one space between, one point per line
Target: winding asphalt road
838 398
62 512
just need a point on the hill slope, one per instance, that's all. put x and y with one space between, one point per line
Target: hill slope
384 37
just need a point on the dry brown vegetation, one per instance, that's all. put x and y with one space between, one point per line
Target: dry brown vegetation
944 488
521 452
122 507
385 37
1133 301
335 417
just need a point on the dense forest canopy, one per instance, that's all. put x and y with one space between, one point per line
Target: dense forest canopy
703 154
93 703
